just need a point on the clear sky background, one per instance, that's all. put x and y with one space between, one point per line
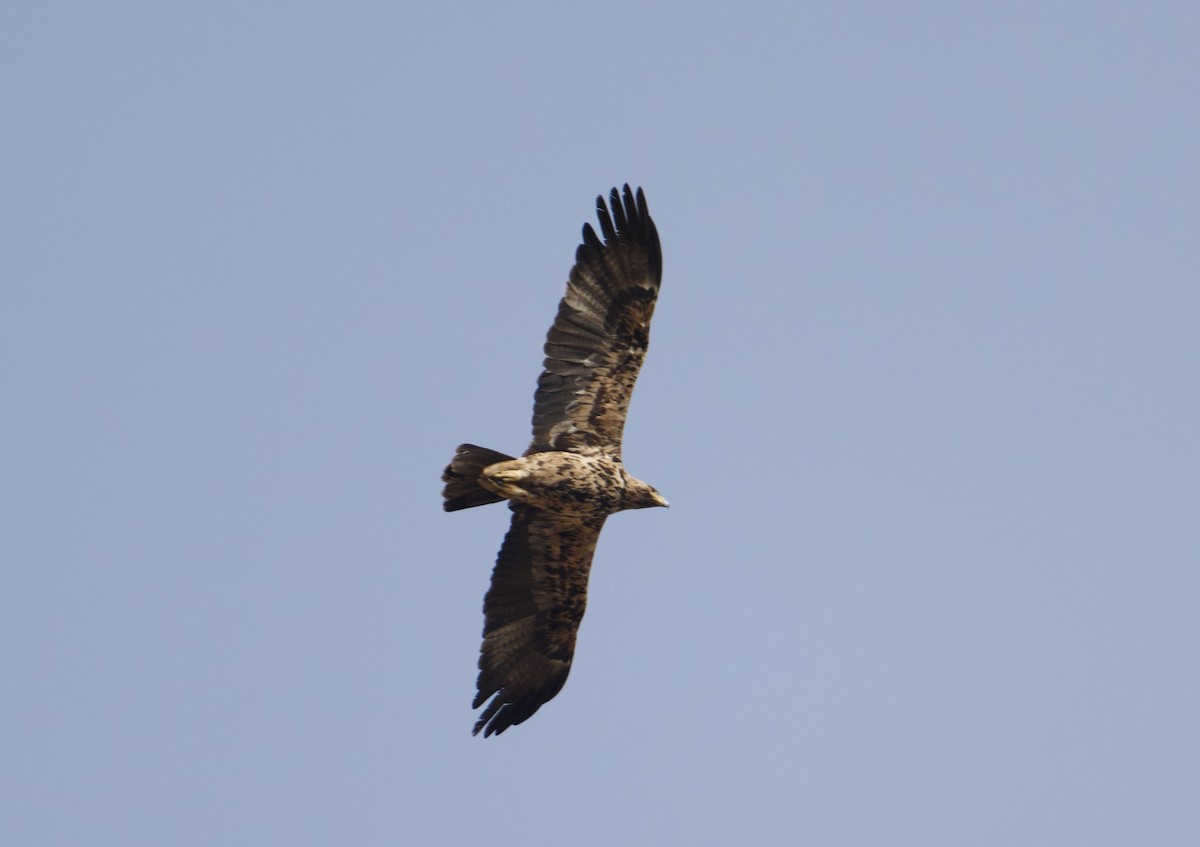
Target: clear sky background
923 391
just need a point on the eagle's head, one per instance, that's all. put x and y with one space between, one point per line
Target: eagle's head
641 495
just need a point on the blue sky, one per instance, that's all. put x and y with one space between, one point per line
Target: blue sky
922 393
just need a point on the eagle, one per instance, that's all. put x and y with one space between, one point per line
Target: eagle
571 478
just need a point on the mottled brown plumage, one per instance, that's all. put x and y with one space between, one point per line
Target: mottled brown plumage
571 478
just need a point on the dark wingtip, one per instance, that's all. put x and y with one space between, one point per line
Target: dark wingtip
590 239
642 207
493 721
625 215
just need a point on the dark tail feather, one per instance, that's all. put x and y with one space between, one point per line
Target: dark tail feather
461 476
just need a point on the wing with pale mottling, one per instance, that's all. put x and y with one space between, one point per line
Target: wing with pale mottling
532 613
598 341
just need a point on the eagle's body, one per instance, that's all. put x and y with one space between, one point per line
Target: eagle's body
564 483
571 478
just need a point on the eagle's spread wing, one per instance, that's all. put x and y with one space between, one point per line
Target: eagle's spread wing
532 612
598 341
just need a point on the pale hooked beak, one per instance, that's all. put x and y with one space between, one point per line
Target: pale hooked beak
660 500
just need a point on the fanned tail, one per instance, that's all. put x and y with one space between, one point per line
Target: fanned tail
461 476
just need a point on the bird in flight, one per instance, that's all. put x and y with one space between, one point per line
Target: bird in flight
571 478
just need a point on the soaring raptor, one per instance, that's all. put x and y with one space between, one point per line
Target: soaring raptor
571 477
